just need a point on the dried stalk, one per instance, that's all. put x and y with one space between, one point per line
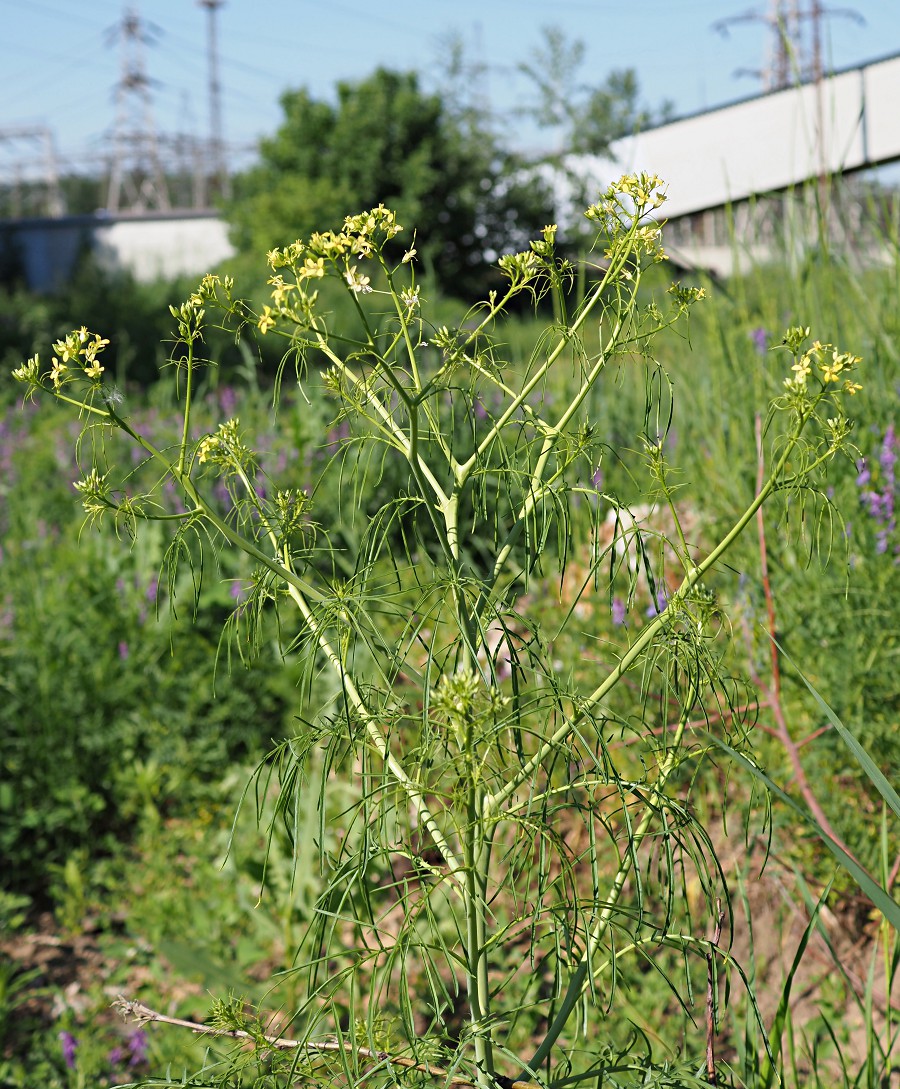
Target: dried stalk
144 1015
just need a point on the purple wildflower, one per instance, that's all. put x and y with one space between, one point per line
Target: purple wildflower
597 478
227 400
618 611
879 497
69 1047
760 338
888 457
659 603
137 1046
123 650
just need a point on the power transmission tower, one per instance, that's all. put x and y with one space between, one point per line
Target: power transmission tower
33 185
795 49
137 180
217 169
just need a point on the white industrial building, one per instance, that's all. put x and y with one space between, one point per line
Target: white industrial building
718 160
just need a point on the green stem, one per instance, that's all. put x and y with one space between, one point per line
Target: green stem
566 336
477 858
189 386
82 406
552 437
400 440
379 743
354 697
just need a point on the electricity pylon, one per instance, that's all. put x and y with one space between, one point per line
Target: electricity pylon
137 181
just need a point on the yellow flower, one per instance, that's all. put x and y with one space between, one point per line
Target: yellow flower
65 350
57 370
265 323
802 368
207 446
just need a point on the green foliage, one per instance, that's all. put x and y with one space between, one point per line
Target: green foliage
90 745
386 141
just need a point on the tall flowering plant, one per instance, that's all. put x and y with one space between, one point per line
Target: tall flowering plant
508 857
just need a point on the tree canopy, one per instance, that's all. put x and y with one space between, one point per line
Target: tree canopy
386 140
586 117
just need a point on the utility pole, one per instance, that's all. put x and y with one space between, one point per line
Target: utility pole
217 170
137 181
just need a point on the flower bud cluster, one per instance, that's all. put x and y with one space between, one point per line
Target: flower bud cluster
226 447
623 205
686 296
520 268
291 505
95 494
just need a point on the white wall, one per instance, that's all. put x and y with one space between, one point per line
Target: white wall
159 248
149 247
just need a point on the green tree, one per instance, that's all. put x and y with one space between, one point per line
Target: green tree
587 118
386 140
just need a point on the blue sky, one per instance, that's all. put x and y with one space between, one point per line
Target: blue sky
59 63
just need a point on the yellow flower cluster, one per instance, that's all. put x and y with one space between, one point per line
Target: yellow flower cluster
833 366
77 353
622 206
632 193
361 236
